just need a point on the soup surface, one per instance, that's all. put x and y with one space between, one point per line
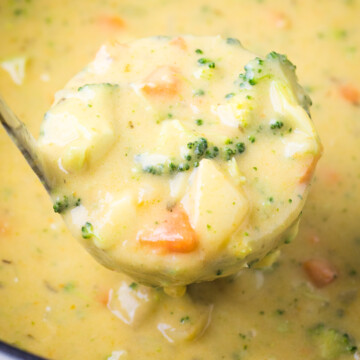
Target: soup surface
303 304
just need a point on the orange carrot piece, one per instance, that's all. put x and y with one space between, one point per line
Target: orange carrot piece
4 227
113 22
102 296
280 20
330 176
180 42
314 239
350 93
174 234
320 272
163 82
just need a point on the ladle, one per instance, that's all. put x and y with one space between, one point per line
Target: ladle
23 139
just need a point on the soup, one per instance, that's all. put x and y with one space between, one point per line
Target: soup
58 302
169 166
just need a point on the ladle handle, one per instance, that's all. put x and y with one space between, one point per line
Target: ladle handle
23 139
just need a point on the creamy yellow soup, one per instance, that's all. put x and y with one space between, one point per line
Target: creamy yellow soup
171 166
58 302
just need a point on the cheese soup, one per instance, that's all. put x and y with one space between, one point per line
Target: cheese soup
300 302
180 159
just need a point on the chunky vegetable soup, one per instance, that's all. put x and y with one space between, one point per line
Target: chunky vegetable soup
168 166
301 302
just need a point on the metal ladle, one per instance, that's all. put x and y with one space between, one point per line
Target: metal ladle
25 142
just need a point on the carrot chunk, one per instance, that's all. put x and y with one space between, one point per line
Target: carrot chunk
174 234
4 227
102 296
113 22
350 93
163 82
280 20
320 272
179 42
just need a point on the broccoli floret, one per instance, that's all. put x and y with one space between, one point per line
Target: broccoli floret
240 147
198 150
254 71
212 153
66 202
229 153
331 343
200 146
208 62
87 231
233 41
154 169
276 124
281 58
258 69
183 167
61 205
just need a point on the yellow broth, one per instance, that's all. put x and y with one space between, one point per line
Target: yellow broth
52 291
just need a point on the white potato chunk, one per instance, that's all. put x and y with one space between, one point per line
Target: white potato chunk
236 113
285 103
235 173
113 218
170 146
79 128
173 136
118 354
132 303
178 185
15 67
215 207
297 144
187 321
233 115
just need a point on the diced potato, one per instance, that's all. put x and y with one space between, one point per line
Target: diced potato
118 354
178 185
204 73
285 103
171 145
298 143
113 219
173 136
74 158
235 172
248 283
15 67
233 115
79 129
187 322
132 303
148 194
215 207
237 112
